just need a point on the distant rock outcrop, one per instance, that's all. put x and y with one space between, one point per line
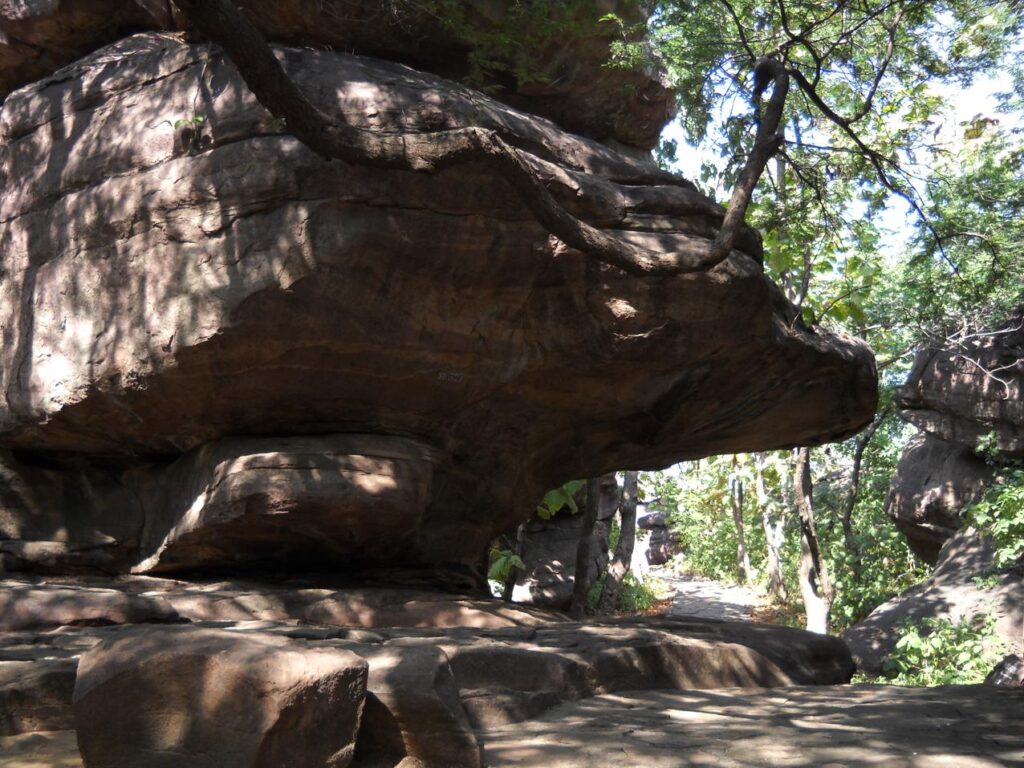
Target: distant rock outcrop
190 308
934 481
958 398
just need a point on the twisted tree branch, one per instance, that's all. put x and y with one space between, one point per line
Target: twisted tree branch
223 23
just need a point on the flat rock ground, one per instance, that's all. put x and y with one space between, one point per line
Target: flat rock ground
807 727
795 727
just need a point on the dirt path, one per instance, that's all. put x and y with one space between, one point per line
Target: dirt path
708 599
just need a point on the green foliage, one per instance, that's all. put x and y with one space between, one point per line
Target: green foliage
696 502
636 595
556 500
502 561
964 276
943 652
195 121
1000 516
885 568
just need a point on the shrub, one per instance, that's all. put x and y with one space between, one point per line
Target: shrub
943 652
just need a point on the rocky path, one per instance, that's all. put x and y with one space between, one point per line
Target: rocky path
708 599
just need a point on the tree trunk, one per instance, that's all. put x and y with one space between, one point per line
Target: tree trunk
851 497
619 566
584 555
815 585
774 532
736 499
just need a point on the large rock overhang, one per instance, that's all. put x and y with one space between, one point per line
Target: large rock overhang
162 294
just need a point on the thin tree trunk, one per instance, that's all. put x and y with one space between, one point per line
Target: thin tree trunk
773 532
815 585
851 498
619 566
584 555
742 557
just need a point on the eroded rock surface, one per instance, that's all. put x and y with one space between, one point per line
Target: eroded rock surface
855 727
963 395
162 292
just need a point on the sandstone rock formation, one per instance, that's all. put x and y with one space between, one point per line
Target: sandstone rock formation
201 692
572 84
216 699
934 481
958 398
965 394
662 543
183 311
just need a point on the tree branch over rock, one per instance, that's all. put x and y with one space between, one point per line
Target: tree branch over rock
223 23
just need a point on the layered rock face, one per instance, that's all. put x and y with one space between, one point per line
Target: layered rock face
220 350
569 81
255 675
963 395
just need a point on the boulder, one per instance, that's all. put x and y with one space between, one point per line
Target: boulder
962 395
413 711
652 521
571 82
934 481
35 695
662 546
165 301
954 591
198 698
428 688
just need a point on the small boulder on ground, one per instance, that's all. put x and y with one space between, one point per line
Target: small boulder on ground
180 697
